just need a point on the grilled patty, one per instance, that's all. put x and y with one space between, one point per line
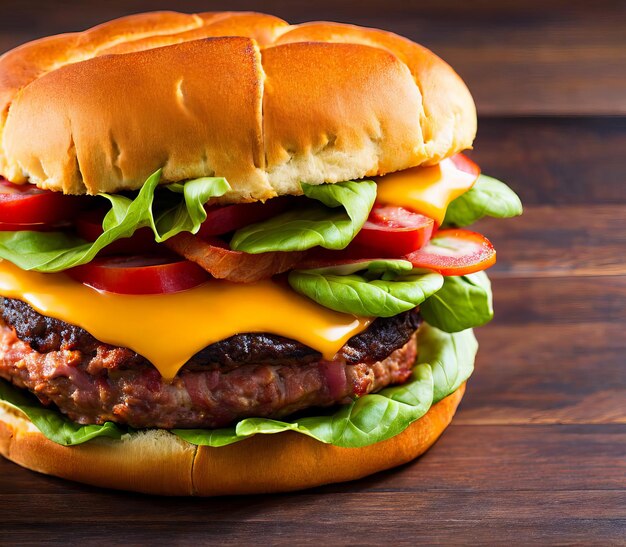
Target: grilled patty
246 375
46 334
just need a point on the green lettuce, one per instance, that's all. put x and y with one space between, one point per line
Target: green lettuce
54 425
180 210
332 224
381 288
444 362
450 356
488 197
463 302
189 214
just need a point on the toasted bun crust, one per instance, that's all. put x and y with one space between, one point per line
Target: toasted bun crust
241 95
158 462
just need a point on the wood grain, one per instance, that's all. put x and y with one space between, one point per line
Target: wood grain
537 451
556 161
548 374
573 240
566 57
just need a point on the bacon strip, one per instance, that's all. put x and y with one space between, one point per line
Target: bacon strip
224 263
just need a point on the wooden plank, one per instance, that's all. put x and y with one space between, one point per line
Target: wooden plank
533 458
372 520
600 504
542 373
572 240
556 161
565 58
567 80
559 302
433 531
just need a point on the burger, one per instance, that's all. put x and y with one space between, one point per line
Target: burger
234 252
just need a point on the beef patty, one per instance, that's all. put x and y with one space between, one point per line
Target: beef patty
246 375
45 334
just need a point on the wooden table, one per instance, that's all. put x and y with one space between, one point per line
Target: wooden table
537 452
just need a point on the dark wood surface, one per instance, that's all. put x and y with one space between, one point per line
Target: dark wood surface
537 451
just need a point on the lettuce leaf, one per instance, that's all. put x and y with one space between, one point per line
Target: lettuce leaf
183 210
444 362
188 215
343 209
450 356
383 288
488 197
54 425
463 302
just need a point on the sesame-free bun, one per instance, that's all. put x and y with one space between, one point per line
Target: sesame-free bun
245 96
158 462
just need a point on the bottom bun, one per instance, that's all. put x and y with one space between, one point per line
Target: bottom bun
158 462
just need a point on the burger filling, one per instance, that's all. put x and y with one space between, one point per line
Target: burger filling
243 376
169 308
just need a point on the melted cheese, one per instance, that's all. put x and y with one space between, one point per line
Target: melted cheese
168 329
427 190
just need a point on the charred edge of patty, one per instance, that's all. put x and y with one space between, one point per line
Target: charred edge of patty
193 399
47 334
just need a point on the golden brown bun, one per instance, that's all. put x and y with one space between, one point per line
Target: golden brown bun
241 95
158 462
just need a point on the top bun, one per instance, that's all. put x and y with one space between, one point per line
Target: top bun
245 96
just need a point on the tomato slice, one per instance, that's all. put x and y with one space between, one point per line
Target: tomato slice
36 227
455 252
89 227
394 231
27 204
147 274
222 219
463 163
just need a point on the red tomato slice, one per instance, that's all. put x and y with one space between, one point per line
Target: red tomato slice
463 163
222 219
149 274
455 252
37 227
27 204
89 224
394 231
89 227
